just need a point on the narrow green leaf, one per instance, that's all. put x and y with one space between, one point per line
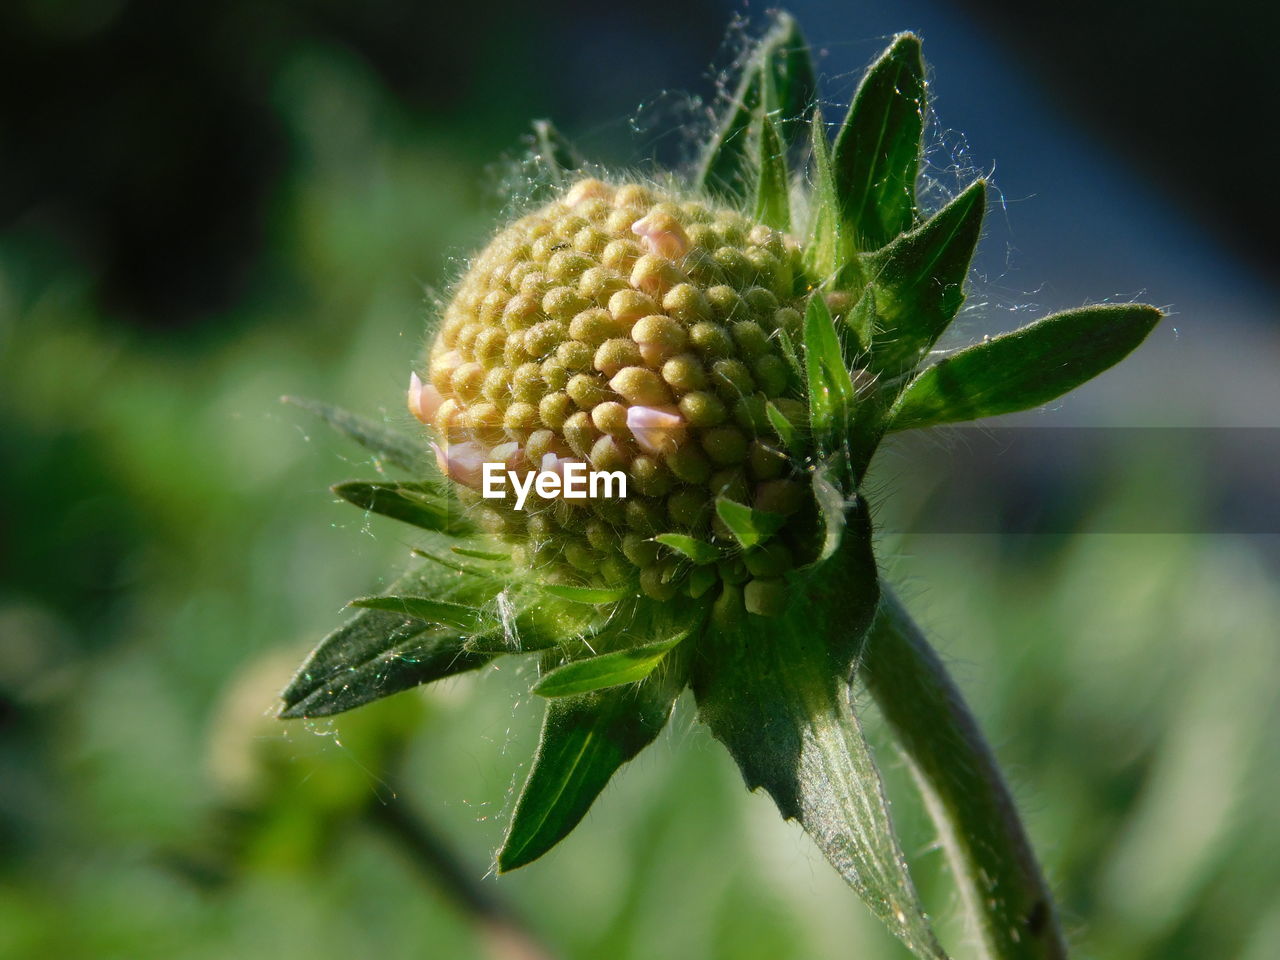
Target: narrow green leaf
877 151
412 503
699 551
555 152
606 670
827 253
385 443
831 393
776 693
592 595
782 56
1025 368
860 324
749 527
783 427
585 739
918 281
773 203
793 87
790 354
479 554
443 612
379 653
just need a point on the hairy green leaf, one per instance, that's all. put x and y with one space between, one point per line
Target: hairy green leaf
385 443
585 739
379 653
474 554
827 253
456 615
413 503
776 693
749 527
877 151
782 59
606 670
699 551
831 393
783 427
918 281
1024 368
773 184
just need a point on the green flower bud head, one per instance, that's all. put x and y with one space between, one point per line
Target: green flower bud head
606 329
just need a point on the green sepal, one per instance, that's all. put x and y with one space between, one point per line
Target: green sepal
783 427
379 653
831 393
877 150
441 612
775 691
749 527
554 152
585 739
773 183
417 504
698 551
606 670
918 282
827 253
1025 368
534 617
384 443
474 554
781 56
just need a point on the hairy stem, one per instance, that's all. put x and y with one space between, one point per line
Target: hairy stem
985 843
504 935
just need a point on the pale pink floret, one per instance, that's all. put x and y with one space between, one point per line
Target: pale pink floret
657 430
510 455
661 235
587 190
423 399
462 462
553 463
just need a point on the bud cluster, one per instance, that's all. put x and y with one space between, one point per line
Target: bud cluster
634 332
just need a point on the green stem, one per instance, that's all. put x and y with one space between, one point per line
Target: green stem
986 845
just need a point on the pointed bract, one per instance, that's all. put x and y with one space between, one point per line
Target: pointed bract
918 282
1025 368
585 739
877 151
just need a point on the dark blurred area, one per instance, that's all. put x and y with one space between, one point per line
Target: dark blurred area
1182 90
144 133
205 206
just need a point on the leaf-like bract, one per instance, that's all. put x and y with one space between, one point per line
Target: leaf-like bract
775 691
585 739
877 151
749 527
918 282
1025 368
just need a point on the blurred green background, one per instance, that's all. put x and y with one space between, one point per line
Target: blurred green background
205 207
